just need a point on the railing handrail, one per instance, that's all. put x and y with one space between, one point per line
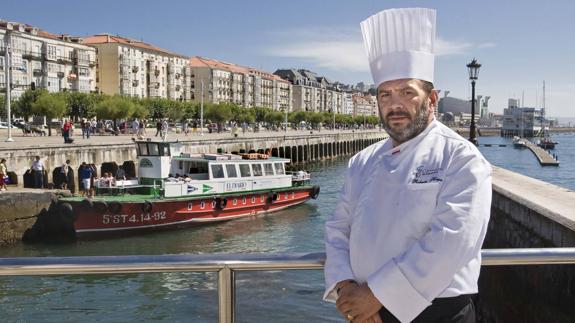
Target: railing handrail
227 264
25 266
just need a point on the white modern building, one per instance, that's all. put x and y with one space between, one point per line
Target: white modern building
54 62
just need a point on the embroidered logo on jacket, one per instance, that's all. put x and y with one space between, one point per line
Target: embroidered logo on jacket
425 175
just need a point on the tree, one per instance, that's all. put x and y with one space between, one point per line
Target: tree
219 113
297 117
274 118
260 113
3 112
23 106
114 108
81 105
50 105
315 118
175 110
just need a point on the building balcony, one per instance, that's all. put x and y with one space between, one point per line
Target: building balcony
135 69
135 83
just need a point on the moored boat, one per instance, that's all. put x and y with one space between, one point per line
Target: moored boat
176 189
519 142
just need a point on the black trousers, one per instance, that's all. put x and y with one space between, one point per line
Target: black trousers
458 309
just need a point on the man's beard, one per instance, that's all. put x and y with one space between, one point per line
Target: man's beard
412 129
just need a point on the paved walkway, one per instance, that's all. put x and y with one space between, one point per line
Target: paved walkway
23 142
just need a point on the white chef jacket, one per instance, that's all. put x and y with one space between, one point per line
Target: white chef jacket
411 220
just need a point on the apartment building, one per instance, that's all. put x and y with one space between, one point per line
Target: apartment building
134 68
244 86
54 62
364 104
312 92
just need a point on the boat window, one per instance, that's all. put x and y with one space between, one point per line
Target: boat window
269 168
143 148
217 171
153 149
257 168
279 168
245 170
198 167
164 150
231 169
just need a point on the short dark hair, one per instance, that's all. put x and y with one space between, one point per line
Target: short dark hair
426 86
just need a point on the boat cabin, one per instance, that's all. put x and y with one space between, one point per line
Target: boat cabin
183 174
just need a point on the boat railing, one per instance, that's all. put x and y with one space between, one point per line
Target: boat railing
227 265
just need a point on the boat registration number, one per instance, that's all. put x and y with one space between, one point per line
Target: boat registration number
134 218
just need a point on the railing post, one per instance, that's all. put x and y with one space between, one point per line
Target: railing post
226 295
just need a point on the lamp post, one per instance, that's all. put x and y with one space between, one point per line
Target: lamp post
8 80
473 68
202 110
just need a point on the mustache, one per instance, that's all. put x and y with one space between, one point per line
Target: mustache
398 114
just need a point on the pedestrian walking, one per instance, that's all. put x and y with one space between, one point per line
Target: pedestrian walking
86 174
135 127
158 128
3 175
185 128
164 129
37 169
64 174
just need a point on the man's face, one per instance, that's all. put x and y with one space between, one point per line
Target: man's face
405 108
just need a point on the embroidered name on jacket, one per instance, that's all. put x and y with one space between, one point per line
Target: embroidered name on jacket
425 175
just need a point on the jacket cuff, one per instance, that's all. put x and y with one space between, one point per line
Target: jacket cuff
396 294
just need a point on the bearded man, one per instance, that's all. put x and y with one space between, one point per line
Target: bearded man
404 243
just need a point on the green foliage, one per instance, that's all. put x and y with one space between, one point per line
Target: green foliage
175 110
315 118
50 105
3 112
23 106
140 111
115 107
218 113
274 118
82 105
297 117
260 113
373 120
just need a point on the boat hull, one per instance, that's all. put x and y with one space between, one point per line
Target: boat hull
103 216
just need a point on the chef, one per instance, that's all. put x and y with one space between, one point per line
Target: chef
404 243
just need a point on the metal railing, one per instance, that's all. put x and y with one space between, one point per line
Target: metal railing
226 265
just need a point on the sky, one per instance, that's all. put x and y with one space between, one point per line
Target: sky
520 44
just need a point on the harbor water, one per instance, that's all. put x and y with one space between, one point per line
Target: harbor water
278 296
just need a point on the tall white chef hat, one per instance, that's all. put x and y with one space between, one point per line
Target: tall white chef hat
400 44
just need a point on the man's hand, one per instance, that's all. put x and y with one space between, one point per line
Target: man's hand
359 302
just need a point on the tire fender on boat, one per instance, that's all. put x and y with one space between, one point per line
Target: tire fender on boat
66 212
314 192
221 203
272 196
87 203
147 207
101 206
115 207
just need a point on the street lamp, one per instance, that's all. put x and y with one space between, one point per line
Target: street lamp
473 71
8 80
202 110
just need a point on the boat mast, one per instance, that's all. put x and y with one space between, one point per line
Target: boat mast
543 110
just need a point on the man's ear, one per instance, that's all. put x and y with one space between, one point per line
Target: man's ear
433 98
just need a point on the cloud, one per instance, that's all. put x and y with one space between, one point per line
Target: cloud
342 48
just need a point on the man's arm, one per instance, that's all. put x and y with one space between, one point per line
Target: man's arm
337 228
407 284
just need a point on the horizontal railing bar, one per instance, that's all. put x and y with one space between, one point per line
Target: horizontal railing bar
28 266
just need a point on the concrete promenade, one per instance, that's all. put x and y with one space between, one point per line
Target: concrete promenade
56 140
